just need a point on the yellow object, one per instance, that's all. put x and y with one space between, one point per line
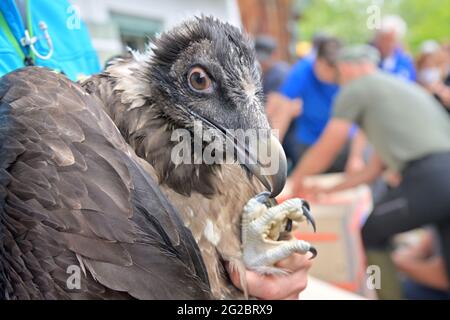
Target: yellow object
303 48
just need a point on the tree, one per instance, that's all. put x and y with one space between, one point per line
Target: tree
348 19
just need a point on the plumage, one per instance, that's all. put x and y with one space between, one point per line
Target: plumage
58 213
87 178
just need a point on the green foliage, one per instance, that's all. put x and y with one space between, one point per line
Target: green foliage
426 19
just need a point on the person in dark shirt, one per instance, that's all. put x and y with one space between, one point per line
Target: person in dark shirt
273 71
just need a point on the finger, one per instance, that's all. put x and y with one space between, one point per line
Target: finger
295 262
277 287
327 191
297 284
294 296
270 287
234 276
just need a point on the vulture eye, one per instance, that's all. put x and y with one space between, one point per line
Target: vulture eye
199 80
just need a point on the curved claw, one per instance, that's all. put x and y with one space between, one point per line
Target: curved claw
313 251
288 225
308 215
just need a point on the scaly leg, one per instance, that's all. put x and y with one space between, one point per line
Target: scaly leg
262 227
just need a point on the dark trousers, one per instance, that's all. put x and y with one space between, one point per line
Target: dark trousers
415 291
423 198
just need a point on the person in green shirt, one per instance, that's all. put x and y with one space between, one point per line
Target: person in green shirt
411 136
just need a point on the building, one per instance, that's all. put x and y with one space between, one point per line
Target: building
276 18
117 24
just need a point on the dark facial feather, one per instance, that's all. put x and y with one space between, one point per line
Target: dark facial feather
157 83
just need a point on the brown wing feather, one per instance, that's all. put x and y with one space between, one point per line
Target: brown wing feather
72 193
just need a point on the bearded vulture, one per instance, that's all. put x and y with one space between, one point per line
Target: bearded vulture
87 180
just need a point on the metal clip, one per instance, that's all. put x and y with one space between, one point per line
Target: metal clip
27 41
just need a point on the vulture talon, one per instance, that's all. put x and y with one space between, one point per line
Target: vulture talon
307 214
288 225
313 251
261 229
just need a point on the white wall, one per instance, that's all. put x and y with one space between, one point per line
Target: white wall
170 12
105 37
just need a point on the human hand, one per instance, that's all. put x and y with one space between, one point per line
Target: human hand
278 287
393 179
311 192
402 258
296 185
281 111
427 271
354 164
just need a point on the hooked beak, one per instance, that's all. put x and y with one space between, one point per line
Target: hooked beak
266 161
272 173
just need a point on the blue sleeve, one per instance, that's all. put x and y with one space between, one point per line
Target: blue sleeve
406 68
73 52
294 84
9 59
412 70
353 131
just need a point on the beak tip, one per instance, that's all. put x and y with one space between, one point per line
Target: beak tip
279 178
273 177
263 197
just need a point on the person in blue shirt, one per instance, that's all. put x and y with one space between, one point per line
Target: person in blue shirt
312 81
45 33
400 64
388 42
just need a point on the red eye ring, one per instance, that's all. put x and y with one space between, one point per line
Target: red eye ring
199 80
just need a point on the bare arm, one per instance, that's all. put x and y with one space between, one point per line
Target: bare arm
355 160
416 264
430 272
373 170
320 156
281 111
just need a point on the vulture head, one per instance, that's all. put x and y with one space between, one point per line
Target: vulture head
201 74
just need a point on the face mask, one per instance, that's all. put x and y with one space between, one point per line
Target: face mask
429 75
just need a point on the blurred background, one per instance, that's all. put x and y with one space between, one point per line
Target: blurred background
116 24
